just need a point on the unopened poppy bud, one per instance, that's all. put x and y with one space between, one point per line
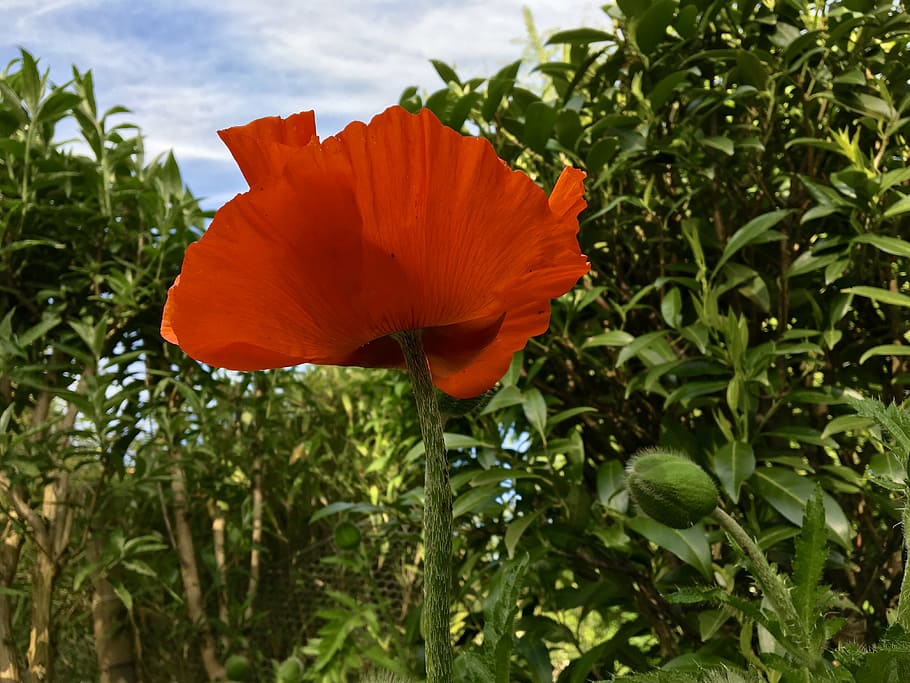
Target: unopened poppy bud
670 488
237 668
347 536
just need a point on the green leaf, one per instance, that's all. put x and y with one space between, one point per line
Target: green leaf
499 610
691 390
885 350
476 499
734 463
884 296
535 409
633 8
498 87
651 27
56 105
611 338
38 331
889 245
93 336
787 492
461 109
809 561
823 194
751 69
671 308
454 442
875 107
891 417
446 73
687 21
889 467
505 397
665 87
817 212
899 207
891 178
611 488
808 262
719 142
539 121
86 570
846 423
756 231
640 344
125 596
885 666
802 434
690 545
335 508
579 36
564 415
516 529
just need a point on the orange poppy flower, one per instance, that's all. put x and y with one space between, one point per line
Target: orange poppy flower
399 224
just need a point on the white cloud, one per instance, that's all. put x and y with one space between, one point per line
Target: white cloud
189 68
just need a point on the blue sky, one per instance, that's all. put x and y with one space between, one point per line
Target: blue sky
187 68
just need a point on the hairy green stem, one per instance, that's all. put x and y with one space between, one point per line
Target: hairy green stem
437 514
767 578
903 602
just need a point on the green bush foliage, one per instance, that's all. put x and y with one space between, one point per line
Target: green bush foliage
168 502
749 196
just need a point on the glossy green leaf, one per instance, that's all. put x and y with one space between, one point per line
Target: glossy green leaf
446 73
671 307
535 409
885 296
516 529
475 500
611 338
719 142
611 490
901 206
889 245
539 121
787 492
581 36
639 345
690 545
452 441
889 467
651 27
733 463
885 350
756 231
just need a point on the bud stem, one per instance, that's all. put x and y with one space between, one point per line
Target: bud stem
767 578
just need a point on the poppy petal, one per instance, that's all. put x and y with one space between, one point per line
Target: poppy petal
258 147
395 225
449 209
266 285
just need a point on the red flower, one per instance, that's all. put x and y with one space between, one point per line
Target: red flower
400 224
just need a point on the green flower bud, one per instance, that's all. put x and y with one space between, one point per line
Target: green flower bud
670 488
347 536
237 668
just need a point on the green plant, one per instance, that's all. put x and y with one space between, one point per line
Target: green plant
746 227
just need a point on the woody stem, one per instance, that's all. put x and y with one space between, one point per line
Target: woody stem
437 514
